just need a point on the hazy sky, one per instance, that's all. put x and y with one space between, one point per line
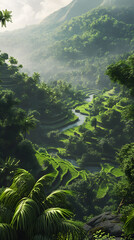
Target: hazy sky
27 12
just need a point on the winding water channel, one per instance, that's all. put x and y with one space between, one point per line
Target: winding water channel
80 121
81 117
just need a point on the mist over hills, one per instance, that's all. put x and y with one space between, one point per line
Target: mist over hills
75 8
76 42
23 43
118 3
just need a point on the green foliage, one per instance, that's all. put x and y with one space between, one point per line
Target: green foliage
7 169
125 157
99 235
129 224
102 191
93 122
7 232
123 72
35 213
5 16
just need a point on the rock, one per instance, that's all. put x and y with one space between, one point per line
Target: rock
107 222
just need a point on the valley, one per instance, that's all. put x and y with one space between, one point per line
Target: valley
67 124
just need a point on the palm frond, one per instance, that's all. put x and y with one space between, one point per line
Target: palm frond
37 193
46 179
58 195
72 230
58 213
129 224
7 15
6 214
6 232
23 182
50 221
25 214
9 198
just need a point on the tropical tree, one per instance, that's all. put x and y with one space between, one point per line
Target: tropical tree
29 122
94 122
122 72
7 169
29 212
5 16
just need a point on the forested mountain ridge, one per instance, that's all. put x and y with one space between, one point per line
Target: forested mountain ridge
92 41
75 8
87 44
32 37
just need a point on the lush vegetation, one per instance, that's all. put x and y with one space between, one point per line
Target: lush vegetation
31 207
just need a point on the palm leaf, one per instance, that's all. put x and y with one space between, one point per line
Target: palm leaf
129 224
50 220
58 213
25 214
38 191
9 198
23 182
6 214
46 179
6 232
58 195
72 230
7 15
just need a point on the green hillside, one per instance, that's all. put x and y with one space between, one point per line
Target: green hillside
77 50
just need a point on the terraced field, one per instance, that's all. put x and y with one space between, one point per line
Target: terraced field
64 172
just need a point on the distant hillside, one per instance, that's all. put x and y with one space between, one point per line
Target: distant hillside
118 3
29 43
75 8
75 49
